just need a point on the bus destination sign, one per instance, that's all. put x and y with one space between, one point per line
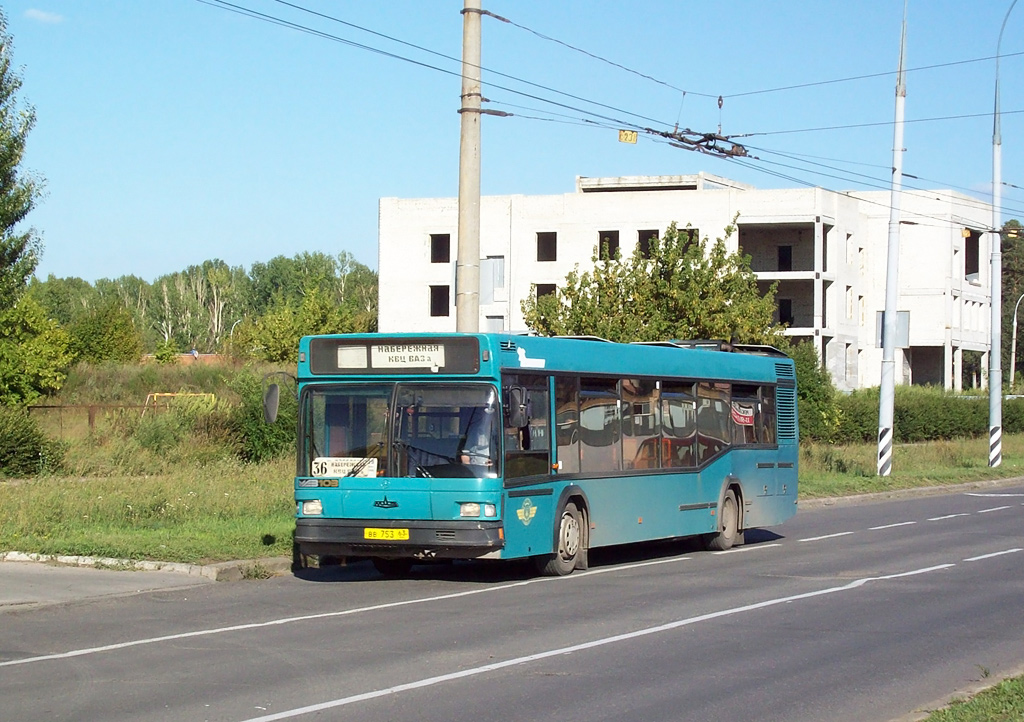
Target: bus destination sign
332 356
412 355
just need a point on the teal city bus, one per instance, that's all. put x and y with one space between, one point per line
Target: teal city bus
419 447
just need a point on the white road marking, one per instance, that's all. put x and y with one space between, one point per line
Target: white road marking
328 615
891 526
431 681
751 548
948 516
971 493
995 508
827 536
995 554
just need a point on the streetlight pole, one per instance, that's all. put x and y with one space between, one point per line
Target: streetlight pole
995 374
887 389
1013 345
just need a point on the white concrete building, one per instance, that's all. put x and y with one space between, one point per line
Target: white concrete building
826 249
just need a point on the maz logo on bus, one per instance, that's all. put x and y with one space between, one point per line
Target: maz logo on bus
385 503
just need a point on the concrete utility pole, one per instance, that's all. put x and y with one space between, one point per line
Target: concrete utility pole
467 265
995 370
887 393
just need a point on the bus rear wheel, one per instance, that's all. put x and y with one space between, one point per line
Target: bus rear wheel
570 544
728 530
392 567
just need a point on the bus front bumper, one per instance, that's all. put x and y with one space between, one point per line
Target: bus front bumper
426 539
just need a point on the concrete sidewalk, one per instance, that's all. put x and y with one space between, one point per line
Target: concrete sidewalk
34 580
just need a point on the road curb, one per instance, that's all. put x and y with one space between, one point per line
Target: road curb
907 493
220 572
232 571
967 692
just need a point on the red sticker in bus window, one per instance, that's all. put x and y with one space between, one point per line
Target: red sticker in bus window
742 414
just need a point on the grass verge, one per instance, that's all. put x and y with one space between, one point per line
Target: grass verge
225 510
219 512
1002 703
827 471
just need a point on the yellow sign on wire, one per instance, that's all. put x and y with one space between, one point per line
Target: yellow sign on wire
627 136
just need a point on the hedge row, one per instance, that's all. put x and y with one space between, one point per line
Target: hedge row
919 414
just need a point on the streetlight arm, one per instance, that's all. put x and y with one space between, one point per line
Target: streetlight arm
1013 345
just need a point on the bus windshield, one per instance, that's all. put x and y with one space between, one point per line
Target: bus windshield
406 429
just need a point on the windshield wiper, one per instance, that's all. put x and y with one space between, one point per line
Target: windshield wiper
365 460
409 447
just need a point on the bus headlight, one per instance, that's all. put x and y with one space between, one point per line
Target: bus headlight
469 508
313 507
490 510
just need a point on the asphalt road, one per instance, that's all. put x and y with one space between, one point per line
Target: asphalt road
852 612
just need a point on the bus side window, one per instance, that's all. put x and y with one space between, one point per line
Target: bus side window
567 414
600 425
714 433
678 425
745 411
527 448
766 427
640 424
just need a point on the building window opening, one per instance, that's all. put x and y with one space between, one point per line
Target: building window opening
972 241
643 242
440 301
545 289
786 311
785 258
547 246
440 247
608 245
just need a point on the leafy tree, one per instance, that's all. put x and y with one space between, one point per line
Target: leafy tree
275 336
34 353
817 400
1012 246
133 293
682 288
64 299
19 191
107 333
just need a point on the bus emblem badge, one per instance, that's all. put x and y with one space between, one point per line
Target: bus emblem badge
385 503
527 512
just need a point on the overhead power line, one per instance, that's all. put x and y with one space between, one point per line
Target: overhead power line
873 125
714 144
796 86
249 12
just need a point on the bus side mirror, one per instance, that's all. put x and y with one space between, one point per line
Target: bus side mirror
271 401
515 407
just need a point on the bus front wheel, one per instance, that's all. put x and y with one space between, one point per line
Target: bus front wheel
570 544
728 530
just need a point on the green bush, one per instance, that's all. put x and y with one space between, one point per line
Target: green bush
160 432
859 411
922 413
817 400
260 441
24 450
929 413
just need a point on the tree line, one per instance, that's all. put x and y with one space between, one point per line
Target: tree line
213 308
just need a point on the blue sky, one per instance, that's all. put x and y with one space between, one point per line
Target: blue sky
175 131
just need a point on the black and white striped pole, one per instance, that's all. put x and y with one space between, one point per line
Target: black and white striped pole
887 392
